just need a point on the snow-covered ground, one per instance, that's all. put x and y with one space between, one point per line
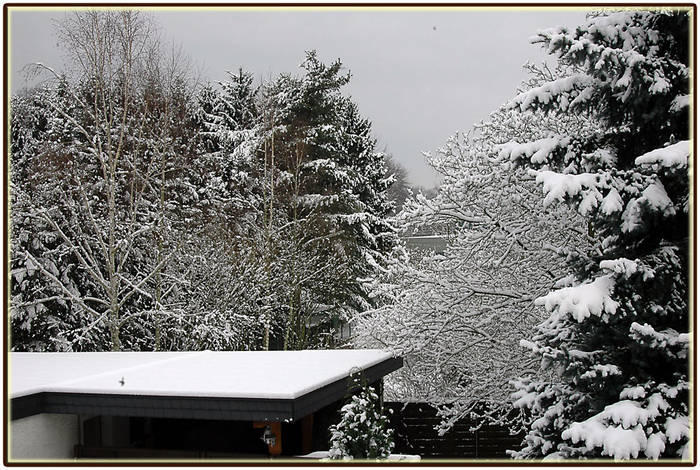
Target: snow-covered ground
323 455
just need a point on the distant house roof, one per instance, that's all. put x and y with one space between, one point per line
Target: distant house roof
241 385
436 243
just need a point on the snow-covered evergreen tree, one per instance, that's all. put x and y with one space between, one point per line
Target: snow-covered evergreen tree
230 135
292 166
335 180
616 342
363 431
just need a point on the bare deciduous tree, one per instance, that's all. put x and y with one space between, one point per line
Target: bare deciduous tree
120 116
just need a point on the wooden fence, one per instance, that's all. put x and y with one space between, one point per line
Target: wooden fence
414 433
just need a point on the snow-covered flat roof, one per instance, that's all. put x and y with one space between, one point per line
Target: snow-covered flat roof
239 374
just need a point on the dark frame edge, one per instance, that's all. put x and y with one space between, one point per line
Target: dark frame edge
694 215
6 6
6 237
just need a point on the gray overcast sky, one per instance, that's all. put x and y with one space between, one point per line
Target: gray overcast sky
418 75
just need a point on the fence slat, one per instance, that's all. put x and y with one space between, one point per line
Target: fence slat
414 428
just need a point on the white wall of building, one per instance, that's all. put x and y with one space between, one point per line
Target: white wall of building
44 436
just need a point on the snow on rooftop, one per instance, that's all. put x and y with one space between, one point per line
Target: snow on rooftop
226 374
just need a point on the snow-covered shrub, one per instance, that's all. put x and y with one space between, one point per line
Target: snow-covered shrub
363 431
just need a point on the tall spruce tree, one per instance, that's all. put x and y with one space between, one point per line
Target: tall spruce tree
292 165
333 178
616 342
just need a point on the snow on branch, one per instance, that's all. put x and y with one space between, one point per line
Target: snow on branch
611 203
557 187
538 151
665 340
616 441
653 197
680 103
568 92
678 428
626 268
584 300
619 429
601 370
675 155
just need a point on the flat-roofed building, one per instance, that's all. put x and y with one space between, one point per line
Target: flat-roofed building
185 405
